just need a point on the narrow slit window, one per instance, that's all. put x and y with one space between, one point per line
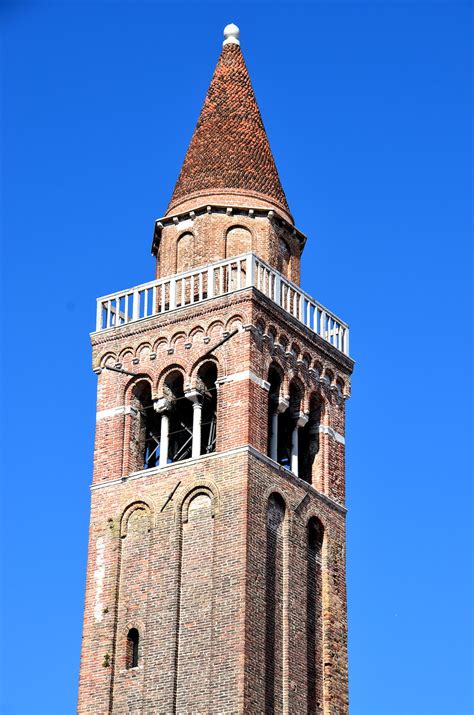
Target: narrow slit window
133 639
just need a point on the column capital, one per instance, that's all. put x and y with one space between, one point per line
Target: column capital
195 396
281 405
162 404
301 419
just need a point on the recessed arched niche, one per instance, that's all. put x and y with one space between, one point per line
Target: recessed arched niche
285 256
238 240
184 252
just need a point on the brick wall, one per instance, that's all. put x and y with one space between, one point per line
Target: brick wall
235 609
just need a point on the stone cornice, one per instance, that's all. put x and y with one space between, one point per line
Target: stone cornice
252 211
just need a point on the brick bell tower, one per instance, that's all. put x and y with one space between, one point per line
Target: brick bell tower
216 572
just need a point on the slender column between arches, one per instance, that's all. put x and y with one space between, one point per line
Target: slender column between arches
301 420
196 398
280 407
162 406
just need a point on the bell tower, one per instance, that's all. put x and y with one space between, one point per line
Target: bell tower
216 567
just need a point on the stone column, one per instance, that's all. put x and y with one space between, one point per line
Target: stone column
280 406
301 420
162 406
196 398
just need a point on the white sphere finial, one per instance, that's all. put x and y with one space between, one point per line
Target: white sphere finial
231 35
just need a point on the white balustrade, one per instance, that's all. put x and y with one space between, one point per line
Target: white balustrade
218 279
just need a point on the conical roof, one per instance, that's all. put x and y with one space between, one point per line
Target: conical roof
229 157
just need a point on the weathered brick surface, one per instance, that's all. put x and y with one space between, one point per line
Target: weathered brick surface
229 148
229 566
141 570
211 238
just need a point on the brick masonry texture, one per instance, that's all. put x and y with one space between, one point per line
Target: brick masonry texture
229 148
229 566
198 588
210 238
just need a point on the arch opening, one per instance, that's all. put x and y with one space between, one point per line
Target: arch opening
133 640
180 416
309 443
207 376
286 426
146 440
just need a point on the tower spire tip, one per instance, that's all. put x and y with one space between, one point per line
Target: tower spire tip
231 35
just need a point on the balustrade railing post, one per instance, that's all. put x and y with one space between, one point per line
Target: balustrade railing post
250 267
322 325
98 322
172 293
277 289
345 342
301 308
136 305
210 282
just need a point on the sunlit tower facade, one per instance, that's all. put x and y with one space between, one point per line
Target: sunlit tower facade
216 568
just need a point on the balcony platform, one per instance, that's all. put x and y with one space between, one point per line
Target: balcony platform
218 279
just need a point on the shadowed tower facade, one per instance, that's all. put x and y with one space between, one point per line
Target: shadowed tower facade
216 567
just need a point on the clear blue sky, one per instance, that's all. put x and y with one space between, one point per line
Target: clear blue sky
367 109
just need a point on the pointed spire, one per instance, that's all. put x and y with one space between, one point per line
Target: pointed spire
229 157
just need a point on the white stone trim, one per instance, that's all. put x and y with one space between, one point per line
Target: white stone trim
324 429
246 449
244 375
113 411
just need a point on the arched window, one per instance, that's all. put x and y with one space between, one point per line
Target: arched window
133 639
309 444
145 437
286 425
207 376
180 418
274 378
238 240
184 252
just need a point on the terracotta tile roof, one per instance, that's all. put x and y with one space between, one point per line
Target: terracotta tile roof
229 148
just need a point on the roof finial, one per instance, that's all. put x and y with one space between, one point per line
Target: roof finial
231 35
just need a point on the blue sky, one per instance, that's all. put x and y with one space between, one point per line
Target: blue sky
367 106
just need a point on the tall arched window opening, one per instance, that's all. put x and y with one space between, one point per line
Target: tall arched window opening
286 426
314 617
207 376
145 440
274 378
309 443
133 639
180 416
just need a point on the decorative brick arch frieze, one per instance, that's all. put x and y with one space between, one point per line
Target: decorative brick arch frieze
235 322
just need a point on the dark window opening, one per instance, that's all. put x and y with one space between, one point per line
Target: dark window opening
286 426
180 419
148 438
309 442
132 648
274 379
207 376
